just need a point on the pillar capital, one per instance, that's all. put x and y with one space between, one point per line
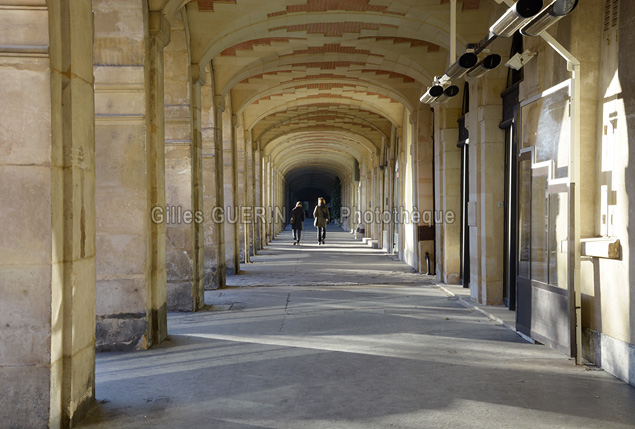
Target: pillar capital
159 28
198 74
219 102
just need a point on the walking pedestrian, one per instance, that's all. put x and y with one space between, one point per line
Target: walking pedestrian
297 217
322 217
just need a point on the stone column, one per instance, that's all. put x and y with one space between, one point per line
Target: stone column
210 108
182 159
274 200
376 202
486 198
447 183
401 157
409 204
279 201
425 182
390 194
363 200
282 203
257 166
241 184
232 249
155 122
267 185
130 168
47 247
249 196
264 197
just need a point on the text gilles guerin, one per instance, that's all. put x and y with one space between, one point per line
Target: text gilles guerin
174 215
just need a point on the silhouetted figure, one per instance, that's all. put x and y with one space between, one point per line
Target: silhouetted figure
322 216
297 217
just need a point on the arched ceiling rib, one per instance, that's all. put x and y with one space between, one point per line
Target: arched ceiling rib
347 140
253 91
323 116
429 26
348 106
282 152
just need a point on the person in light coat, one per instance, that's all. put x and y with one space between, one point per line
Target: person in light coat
322 217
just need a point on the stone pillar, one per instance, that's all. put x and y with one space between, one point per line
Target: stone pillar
363 199
264 197
47 248
409 205
274 199
425 182
390 194
399 178
241 185
284 202
250 195
376 202
155 122
182 169
447 192
209 111
130 169
232 249
487 195
279 203
267 185
257 166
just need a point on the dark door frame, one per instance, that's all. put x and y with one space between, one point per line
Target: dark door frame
463 144
510 234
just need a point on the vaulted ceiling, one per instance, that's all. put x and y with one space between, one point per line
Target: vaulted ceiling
320 82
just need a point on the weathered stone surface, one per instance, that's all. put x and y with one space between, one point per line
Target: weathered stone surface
123 331
180 296
22 386
121 296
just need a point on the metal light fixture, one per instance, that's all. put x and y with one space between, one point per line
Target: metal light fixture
462 65
448 93
431 94
515 17
545 19
519 60
488 63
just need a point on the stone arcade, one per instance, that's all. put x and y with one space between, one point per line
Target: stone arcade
114 108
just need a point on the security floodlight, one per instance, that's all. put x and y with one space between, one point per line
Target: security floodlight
515 17
432 93
462 65
449 92
545 19
488 63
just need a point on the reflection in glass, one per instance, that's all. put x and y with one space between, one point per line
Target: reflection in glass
546 128
539 229
524 218
558 231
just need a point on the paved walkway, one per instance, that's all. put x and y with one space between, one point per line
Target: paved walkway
344 337
341 261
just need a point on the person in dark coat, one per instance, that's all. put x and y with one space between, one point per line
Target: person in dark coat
297 217
322 217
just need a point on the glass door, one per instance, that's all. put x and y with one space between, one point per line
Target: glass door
543 270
